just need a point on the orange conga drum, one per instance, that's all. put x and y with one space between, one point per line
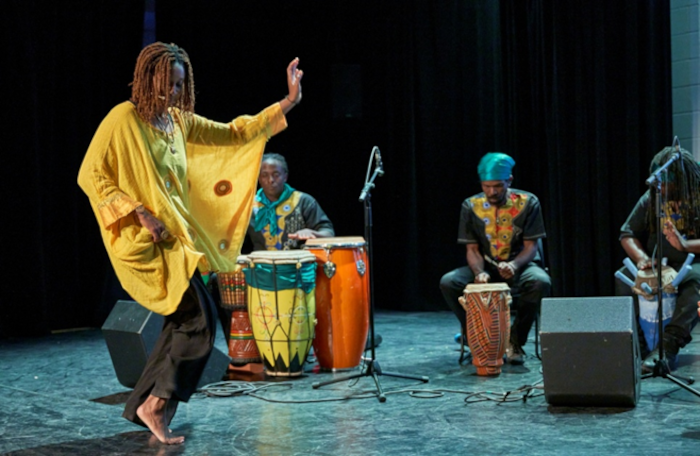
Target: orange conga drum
342 301
488 324
241 344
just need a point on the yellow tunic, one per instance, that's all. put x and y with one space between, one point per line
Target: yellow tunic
203 197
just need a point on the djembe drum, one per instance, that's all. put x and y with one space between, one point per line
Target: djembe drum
282 307
241 345
488 324
649 304
342 301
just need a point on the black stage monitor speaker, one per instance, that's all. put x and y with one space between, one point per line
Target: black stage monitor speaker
590 352
131 332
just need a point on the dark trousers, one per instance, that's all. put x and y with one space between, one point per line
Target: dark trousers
530 284
180 353
223 313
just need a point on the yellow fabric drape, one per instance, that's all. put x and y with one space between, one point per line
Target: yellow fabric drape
205 202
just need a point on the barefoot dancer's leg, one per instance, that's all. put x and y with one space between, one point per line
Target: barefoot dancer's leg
152 414
170 409
176 363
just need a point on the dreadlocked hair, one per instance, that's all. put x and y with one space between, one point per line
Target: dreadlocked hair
683 187
150 89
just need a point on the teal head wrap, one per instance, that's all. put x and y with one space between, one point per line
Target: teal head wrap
495 166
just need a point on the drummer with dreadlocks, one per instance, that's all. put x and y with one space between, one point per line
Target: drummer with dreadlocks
680 192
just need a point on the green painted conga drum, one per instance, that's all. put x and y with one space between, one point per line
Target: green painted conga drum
282 307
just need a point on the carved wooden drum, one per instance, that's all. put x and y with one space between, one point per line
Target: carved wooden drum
488 324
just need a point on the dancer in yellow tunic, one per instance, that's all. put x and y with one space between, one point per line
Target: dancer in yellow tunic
172 193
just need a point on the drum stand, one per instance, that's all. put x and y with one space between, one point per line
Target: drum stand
661 367
372 367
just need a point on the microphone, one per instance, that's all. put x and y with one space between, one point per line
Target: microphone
654 178
379 164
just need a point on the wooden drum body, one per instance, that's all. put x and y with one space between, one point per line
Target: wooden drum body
282 307
342 301
241 344
488 324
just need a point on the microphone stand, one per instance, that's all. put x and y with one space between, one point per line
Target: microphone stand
661 368
372 367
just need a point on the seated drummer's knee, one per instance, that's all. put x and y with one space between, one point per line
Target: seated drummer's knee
446 281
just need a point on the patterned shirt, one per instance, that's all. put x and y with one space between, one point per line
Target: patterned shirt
637 226
299 211
500 231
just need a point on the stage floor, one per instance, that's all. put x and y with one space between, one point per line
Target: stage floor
59 395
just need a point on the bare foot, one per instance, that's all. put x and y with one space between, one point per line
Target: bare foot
152 413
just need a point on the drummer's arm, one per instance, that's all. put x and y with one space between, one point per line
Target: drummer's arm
318 223
526 255
507 269
634 250
476 263
308 233
677 240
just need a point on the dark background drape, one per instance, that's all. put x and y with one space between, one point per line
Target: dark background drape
578 93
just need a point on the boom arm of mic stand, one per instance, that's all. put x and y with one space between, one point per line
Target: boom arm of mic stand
654 178
369 185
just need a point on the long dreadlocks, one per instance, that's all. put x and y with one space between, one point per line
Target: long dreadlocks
682 187
150 89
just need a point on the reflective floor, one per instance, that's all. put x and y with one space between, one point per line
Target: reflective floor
59 395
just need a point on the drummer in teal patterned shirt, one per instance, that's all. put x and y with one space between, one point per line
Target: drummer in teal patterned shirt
501 228
284 218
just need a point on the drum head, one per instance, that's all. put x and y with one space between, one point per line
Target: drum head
278 257
486 287
336 242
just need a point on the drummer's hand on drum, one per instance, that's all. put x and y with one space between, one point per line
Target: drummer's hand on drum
644 263
506 269
674 237
152 224
303 235
482 277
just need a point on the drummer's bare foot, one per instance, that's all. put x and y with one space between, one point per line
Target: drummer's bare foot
152 413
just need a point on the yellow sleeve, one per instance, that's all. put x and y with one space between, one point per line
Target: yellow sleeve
223 178
240 131
98 175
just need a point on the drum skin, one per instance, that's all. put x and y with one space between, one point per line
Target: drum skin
342 302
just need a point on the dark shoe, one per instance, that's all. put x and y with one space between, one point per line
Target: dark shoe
515 355
670 358
377 341
466 356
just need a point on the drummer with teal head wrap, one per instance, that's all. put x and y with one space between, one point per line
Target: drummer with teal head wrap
283 218
501 228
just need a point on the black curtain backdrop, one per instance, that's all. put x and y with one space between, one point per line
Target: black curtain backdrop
578 94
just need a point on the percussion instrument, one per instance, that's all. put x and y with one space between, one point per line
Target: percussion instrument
282 307
342 301
241 344
646 287
232 289
646 282
488 324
